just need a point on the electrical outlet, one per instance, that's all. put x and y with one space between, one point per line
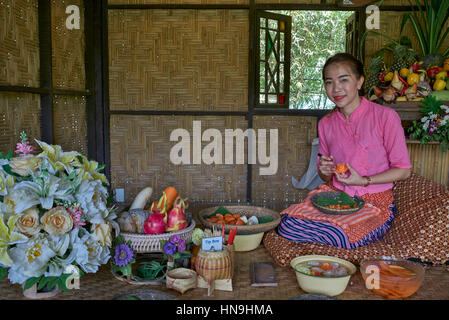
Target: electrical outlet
119 195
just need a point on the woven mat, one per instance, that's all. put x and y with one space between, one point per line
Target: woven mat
103 285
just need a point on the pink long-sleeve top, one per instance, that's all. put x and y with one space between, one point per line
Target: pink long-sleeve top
372 141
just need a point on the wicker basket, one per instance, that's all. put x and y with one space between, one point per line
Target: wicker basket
243 210
146 243
181 279
214 265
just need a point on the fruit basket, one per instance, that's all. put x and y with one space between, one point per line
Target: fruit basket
243 210
146 243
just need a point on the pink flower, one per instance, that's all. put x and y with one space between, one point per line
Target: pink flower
24 148
77 216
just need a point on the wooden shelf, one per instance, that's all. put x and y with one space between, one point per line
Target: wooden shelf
407 110
419 142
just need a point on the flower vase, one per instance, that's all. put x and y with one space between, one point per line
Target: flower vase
33 293
170 263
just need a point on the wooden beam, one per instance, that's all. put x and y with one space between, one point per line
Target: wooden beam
45 70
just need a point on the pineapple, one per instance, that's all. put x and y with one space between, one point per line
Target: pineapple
403 57
374 69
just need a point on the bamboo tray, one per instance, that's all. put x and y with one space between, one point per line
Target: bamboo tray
243 210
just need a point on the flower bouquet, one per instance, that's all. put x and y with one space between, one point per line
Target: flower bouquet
434 125
54 216
174 249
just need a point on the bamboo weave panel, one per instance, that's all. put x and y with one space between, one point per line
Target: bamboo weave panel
70 123
19 112
291 1
390 25
140 157
19 43
112 2
295 135
68 48
428 161
178 59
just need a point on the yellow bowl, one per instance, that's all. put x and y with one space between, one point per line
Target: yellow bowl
331 286
247 242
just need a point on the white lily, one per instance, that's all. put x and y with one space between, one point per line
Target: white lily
9 237
45 190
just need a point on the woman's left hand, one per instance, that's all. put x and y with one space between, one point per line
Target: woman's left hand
351 178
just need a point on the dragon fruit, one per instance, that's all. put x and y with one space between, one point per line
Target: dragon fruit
155 224
176 219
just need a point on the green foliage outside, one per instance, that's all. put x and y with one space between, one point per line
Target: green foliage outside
316 35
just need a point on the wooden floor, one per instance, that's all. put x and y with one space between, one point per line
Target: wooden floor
104 286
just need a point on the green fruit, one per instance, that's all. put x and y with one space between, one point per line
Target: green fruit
442 95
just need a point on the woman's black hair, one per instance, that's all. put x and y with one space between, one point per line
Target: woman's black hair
355 64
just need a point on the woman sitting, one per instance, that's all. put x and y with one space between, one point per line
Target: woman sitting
370 140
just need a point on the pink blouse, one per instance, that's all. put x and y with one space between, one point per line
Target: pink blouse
371 142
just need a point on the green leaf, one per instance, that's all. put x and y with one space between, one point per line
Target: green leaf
3 272
52 283
30 282
9 155
42 283
62 282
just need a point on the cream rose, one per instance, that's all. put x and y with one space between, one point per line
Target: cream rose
57 221
103 231
20 165
28 223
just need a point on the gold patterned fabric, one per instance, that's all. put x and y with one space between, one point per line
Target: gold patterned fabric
420 229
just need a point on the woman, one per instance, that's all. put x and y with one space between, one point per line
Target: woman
369 139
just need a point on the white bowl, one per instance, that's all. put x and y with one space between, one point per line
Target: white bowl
247 242
331 286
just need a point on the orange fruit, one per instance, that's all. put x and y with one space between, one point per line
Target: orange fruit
341 168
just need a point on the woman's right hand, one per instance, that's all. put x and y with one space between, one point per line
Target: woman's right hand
326 166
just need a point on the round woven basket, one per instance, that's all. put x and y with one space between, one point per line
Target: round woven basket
146 243
333 195
181 279
244 211
212 265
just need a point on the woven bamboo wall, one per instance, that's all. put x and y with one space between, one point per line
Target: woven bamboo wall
428 161
290 1
18 112
68 48
19 43
390 25
178 2
295 135
70 123
178 59
140 157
